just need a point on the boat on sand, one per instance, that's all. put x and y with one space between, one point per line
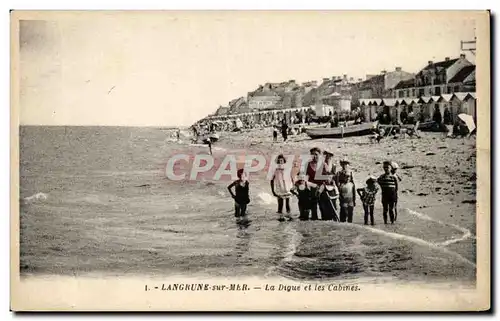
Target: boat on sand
340 132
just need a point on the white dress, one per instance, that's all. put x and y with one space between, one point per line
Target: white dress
282 183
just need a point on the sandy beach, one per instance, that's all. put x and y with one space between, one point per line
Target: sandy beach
438 175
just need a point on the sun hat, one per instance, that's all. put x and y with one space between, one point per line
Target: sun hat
327 153
315 149
394 165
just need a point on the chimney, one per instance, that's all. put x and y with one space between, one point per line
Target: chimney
345 76
462 56
430 62
398 68
383 72
447 59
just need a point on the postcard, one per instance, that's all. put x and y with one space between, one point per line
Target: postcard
250 161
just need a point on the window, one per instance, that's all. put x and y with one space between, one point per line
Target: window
400 94
421 92
413 92
437 91
450 90
407 93
457 89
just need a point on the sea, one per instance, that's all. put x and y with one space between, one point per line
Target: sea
96 201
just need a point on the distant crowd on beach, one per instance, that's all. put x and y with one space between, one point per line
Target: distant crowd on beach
294 121
321 187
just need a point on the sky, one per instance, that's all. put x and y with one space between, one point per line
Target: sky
173 68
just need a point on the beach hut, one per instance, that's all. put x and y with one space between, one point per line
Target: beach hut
389 105
464 103
443 102
426 107
365 108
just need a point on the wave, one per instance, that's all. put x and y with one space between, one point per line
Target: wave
38 197
266 198
466 234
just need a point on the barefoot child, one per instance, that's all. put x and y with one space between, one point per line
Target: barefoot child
281 184
345 174
347 198
367 195
395 167
304 192
389 185
241 197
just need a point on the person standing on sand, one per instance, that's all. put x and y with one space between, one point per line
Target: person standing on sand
304 192
367 195
395 167
281 184
275 134
241 197
389 185
312 168
345 174
327 195
284 130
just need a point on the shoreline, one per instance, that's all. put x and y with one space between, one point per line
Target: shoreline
438 174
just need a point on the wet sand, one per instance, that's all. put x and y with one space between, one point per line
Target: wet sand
438 176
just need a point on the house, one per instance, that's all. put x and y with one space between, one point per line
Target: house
238 105
222 110
265 99
381 85
463 81
405 88
436 78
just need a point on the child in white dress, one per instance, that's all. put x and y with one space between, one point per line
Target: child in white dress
281 184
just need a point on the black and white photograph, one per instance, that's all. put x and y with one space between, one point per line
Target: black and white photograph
321 154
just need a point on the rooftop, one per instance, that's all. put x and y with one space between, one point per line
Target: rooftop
462 74
406 84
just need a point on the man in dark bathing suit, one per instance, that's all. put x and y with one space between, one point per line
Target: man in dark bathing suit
312 168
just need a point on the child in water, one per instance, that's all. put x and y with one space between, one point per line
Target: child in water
302 189
281 184
347 198
241 197
394 169
389 186
367 195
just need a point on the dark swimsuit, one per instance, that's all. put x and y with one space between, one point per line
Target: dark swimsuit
242 196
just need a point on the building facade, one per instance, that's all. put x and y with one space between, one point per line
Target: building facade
443 77
381 85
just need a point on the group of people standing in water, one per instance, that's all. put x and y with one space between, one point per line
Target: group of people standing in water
322 187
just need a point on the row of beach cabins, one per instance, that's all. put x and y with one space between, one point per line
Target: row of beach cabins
423 108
